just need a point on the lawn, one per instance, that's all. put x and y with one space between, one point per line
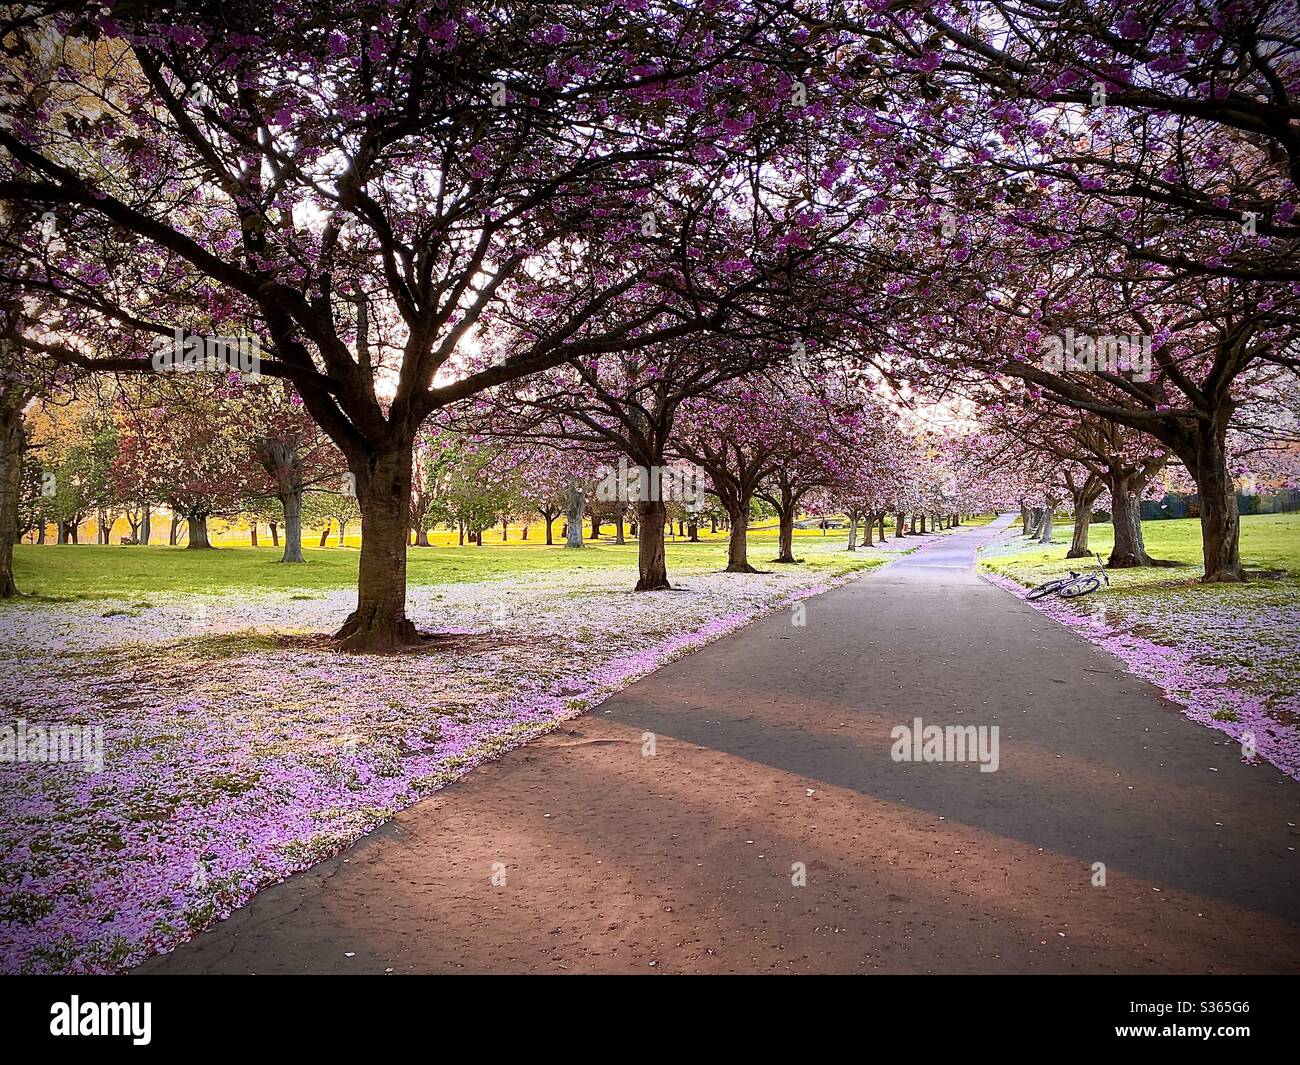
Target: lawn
1269 542
1227 652
133 574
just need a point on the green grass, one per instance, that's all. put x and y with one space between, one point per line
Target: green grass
68 572
1269 542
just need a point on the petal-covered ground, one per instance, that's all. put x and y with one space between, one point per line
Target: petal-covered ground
1227 652
239 748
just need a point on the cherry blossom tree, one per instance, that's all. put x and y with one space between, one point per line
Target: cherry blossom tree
366 188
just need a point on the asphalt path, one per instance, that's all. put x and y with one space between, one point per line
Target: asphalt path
774 829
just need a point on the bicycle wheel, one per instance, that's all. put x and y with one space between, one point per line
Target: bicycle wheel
1044 589
1082 586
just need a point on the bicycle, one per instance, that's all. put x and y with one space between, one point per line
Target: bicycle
1073 586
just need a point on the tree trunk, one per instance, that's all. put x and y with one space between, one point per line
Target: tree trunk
324 535
900 529
1079 541
1045 533
1126 518
868 527
1026 518
652 565
12 443
292 504
577 503
505 529
786 543
524 535
343 528
737 540
853 533
173 533
1083 501
595 527
198 526
421 536
252 535
713 523
274 526
693 531
550 517
620 536
146 525
379 622
40 530
1220 522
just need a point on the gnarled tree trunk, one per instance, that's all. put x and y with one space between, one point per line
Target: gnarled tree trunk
1082 498
292 504
577 503
1126 518
1220 521
785 524
1045 530
379 622
197 522
652 565
1079 538
738 539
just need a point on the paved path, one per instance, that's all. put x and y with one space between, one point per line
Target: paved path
773 747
